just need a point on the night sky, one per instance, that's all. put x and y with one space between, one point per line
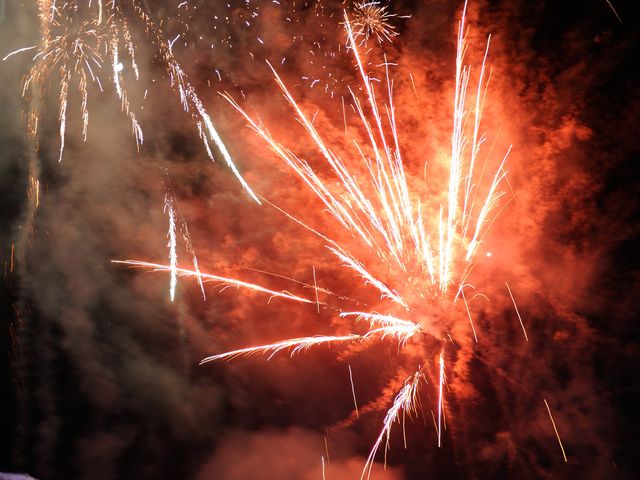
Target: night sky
100 371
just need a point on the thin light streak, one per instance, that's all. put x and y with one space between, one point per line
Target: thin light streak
614 11
517 312
353 392
466 306
440 398
173 256
20 50
406 401
294 344
207 276
555 429
315 288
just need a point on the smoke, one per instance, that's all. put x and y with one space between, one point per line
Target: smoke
291 454
111 383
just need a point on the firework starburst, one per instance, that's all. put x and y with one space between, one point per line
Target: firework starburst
411 250
372 19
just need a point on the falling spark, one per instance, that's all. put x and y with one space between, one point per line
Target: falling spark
466 306
20 50
555 429
326 444
173 256
406 401
517 312
353 392
614 11
205 276
440 398
315 288
294 344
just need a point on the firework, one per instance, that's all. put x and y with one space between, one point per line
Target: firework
86 43
372 19
417 255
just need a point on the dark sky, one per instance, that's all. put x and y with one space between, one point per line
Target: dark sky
100 375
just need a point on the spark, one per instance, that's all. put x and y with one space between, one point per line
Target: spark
206 276
173 257
315 288
353 392
614 11
555 429
440 398
20 50
517 312
294 344
406 402
388 325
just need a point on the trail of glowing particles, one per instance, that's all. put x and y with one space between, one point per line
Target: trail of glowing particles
401 330
75 42
406 401
614 11
177 222
353 392
440 398
555 429
517 312
294 344
226 282
173 256
20 50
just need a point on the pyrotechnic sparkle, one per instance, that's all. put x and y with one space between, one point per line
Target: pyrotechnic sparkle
83 41
411 249
373 19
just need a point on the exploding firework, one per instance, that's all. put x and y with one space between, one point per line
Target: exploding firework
411 249
373 19
84 42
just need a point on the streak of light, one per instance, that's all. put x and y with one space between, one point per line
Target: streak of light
440 398
517 311
20 50
294 344
614 11
353 392
406 401
206 276
555 429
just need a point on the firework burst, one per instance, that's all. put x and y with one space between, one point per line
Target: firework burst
414 251
85 43
371 19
